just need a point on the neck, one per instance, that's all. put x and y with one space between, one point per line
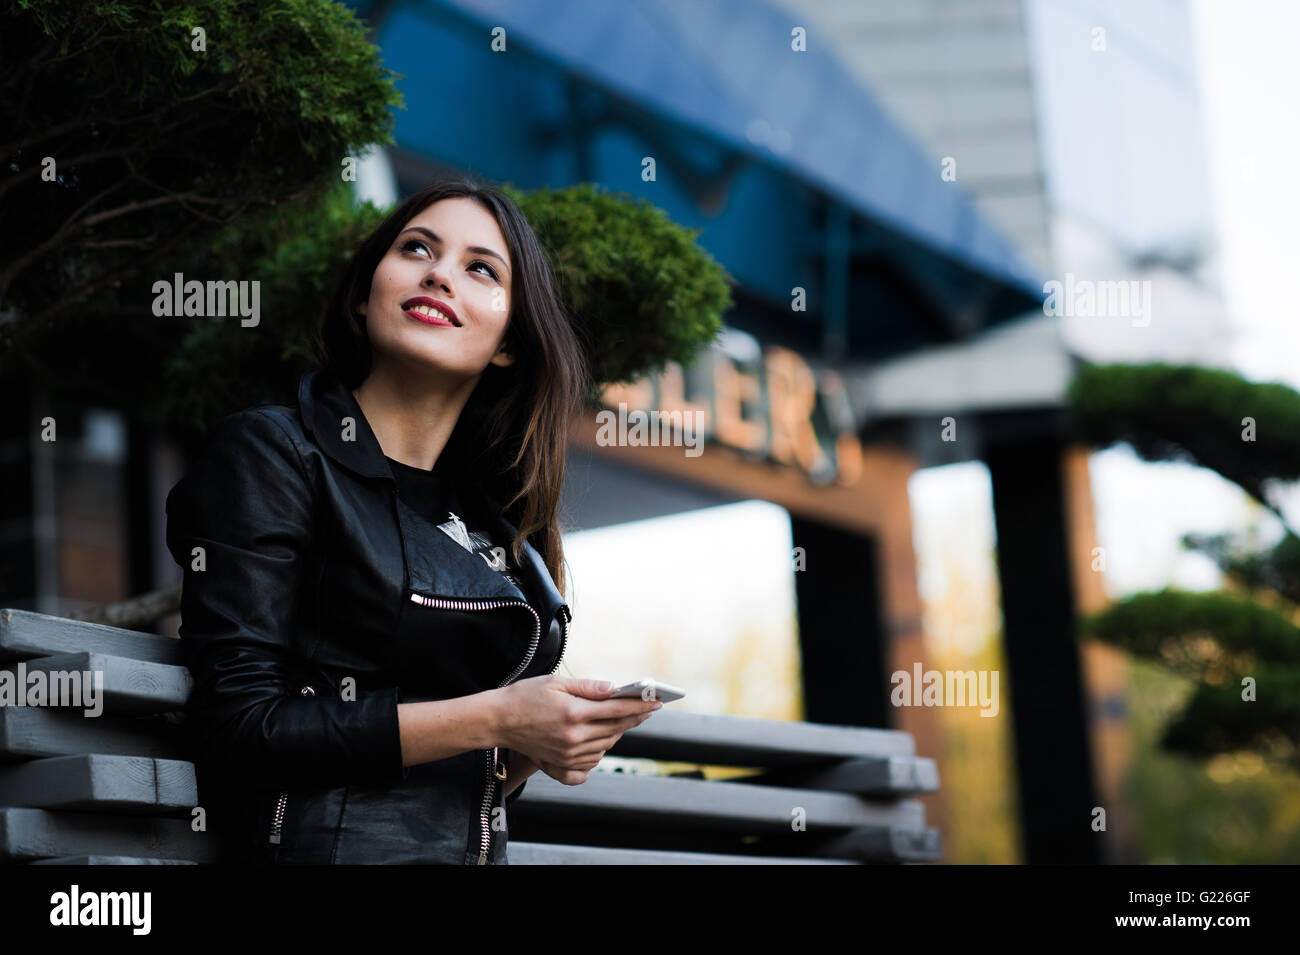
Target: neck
412 415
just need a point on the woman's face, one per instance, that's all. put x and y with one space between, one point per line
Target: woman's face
451 255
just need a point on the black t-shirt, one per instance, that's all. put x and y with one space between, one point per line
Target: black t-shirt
423 491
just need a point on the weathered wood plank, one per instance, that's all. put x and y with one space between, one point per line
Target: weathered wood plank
28 834
745 741
662 800
129 686
25 634
887 776
99 783
110 860
897 843
39 731
542 853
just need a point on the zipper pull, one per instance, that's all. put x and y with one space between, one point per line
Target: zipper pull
499 765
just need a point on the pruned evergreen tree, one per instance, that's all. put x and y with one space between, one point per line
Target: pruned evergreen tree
1240 646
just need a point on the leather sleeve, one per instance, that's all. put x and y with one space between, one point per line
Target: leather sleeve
248 503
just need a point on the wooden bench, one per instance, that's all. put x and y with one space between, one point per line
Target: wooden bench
118 788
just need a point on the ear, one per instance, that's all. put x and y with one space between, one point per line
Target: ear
503 358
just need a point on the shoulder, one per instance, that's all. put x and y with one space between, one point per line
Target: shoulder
265 432
258 452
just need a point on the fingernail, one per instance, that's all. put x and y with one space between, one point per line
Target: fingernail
604 685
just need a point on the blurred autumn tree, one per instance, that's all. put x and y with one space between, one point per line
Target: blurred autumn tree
1241 647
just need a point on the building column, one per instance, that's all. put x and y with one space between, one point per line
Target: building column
1045 675
1105 668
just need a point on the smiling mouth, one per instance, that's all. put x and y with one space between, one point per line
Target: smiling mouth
431 314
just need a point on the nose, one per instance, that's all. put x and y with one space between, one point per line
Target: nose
435 277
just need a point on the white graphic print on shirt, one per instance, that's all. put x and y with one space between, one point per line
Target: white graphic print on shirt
476 543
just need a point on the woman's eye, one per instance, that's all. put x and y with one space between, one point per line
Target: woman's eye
412 244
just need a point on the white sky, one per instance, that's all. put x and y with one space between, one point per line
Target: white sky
1248 52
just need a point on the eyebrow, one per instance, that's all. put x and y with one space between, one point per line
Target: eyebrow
477 249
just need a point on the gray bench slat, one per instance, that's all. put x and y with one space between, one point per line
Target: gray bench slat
109 860
831 771
25 634
100 783
648 799
745 741
543 853
887 776
40 731
27 834
894 844
129 686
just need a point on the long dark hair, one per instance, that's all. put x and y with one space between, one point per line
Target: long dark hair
511 436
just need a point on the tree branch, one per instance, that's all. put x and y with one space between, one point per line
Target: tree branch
69 227
19 178
89 288
85 122
135 613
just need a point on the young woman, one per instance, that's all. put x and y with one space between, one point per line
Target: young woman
373 606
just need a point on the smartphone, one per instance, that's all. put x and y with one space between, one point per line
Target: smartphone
649 689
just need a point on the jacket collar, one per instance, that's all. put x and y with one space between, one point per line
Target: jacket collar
324 403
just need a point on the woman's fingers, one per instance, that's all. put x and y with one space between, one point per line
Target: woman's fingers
603 735
590 711
589 726
597 729
592 755
563 774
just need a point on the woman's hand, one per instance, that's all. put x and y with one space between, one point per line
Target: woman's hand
565 725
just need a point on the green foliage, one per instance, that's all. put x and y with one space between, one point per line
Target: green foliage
1231 808
1216 640
640 290
1275 569
1216 637
1191 414
1217 720
156 143
297 253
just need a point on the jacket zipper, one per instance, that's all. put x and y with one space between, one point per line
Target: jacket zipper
491 775
277 820
492 755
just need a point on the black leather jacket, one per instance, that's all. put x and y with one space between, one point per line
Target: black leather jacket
319 601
